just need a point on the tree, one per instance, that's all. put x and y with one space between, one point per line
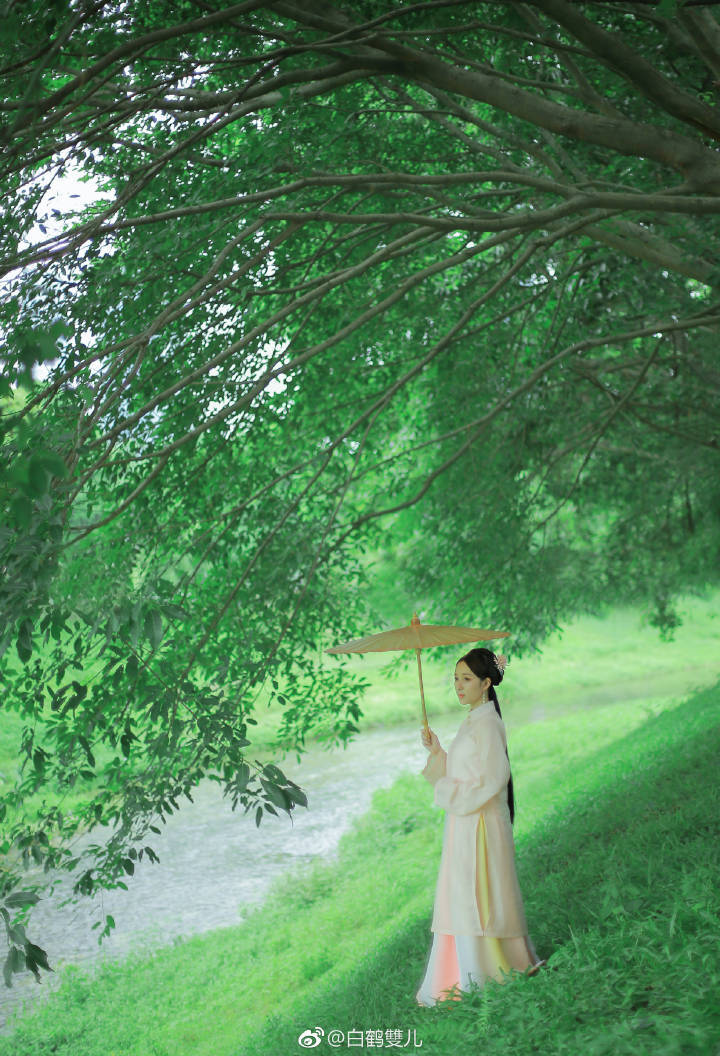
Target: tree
447 269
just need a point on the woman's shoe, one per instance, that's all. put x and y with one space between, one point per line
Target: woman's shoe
535 967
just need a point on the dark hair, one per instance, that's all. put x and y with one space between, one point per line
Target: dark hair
481 662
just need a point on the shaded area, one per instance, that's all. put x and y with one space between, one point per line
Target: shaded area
616 858
620 890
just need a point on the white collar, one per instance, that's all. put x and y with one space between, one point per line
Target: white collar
482 709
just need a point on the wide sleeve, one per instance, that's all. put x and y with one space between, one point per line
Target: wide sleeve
435 767
491 774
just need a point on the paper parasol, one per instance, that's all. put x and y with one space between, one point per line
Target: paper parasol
416 636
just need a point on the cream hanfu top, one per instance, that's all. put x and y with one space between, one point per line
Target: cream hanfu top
477 889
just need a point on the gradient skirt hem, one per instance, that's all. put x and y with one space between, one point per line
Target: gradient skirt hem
456 962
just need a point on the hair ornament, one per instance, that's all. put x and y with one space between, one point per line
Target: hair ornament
500 662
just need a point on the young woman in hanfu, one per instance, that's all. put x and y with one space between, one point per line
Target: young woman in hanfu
479 925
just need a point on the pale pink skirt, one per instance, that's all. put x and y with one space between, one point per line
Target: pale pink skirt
457 961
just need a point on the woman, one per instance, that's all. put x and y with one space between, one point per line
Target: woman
478 921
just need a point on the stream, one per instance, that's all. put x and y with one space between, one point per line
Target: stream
215 863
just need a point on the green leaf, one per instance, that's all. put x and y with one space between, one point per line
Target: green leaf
153 627
86 747
80 692
21 509
35 955
21 898
24 642
298 796
13 963
274 772
56 701
38 478
275 795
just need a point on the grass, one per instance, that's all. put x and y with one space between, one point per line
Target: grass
618 853
592 661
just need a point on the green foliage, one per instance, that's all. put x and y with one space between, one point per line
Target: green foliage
442 287
616 865
616 860
22 954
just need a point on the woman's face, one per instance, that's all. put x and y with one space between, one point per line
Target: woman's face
468 686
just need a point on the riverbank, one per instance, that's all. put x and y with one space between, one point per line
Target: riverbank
617 844
591 661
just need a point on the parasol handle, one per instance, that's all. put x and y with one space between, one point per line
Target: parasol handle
422 692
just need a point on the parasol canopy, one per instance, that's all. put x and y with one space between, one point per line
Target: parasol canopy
417 636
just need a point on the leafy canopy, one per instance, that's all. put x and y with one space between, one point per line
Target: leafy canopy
435 278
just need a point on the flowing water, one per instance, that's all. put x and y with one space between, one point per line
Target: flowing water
215 863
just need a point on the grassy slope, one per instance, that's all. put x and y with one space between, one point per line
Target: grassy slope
618 865
617 841
593 660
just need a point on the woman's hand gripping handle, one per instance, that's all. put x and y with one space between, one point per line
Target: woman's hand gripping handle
430 740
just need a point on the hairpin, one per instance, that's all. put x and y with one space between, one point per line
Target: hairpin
500 662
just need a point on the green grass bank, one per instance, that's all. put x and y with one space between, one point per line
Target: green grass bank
617 836
592 660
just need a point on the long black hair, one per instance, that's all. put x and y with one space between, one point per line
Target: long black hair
481 662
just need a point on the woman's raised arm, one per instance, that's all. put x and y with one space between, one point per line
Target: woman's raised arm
492 773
